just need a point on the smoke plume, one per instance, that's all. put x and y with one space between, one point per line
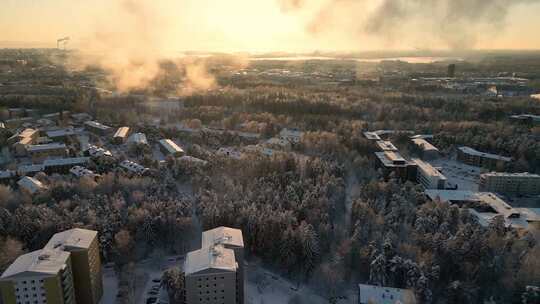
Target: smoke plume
132 51
457 23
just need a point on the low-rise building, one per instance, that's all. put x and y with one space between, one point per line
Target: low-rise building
42 276
391 161
97 128
97 152
510 183
42 152
121 135
476 158
526 118
30 170
62 134
138 139
428 176
292 135
385 145
63 165
169 147
79 171
133 167
429 151
80 118
30 185
372 294
485 206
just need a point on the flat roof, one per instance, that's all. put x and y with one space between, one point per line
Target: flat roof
170 146
505 174
65 161
43 261
45 147
132 166
75 238
7 174
388 158
385 295
471 151
424 144
214 257
372 135
223 235
386 145
428 169
95 124
61 132
138 138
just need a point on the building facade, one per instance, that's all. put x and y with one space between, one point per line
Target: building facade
215 273
475 158
211 276
510 183
83 246
428 176
39 277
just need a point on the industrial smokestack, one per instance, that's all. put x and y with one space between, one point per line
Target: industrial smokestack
452 70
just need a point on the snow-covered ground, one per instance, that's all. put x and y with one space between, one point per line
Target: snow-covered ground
110 286
465 176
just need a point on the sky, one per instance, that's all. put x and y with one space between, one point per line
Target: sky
271 25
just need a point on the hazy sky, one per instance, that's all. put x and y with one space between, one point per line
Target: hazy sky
265 25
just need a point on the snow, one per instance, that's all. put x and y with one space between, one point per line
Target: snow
110 286
464 176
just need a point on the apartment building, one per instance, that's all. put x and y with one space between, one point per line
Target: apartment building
476 158
229 238
215 273
133 168
42 152
63 165
211 276
121 135
40 277
429 151
510 183
169 147
428 176
393 162
83 246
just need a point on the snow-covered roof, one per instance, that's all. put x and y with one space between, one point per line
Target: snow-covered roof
96 151
75 238
46 147
30 184
208 258
473 152
97 125
385 295
133 167
171 146
138 138
79 171
122 132
424 144
43 261
386 145
223 235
